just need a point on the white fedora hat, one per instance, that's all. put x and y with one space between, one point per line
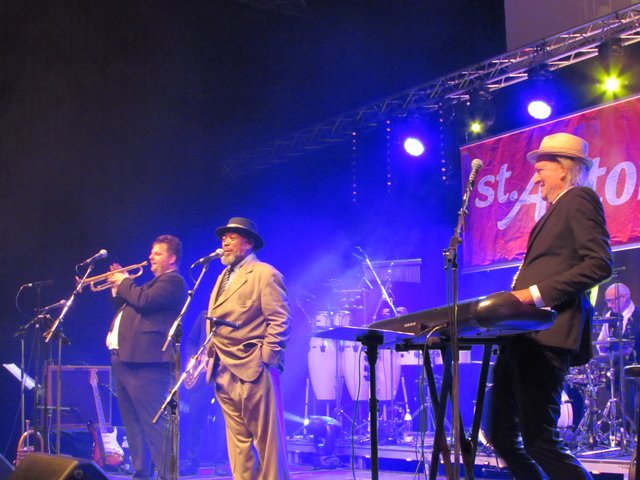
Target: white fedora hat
564 145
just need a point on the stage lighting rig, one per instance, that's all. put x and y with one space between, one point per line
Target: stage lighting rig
541 93
480 112
611 78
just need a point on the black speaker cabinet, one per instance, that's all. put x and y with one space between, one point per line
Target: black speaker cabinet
40 466
77 405
5 468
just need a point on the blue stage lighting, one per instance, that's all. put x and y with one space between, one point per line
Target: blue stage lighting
414 146
539 109
541 96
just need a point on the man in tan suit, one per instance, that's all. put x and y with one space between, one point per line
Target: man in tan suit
247 361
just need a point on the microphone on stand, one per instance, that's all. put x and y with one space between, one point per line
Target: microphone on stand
476 165
44 283
213 255
59 304
221 322
98 256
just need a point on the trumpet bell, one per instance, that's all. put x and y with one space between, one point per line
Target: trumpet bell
100 282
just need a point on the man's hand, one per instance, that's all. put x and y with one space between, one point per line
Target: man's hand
524 296
116 278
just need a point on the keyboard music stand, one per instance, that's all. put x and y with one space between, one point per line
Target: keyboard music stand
371 339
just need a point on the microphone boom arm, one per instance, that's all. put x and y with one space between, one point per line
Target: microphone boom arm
385 295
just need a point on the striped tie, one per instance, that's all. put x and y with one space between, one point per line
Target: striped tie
223 283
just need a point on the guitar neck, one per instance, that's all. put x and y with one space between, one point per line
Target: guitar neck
98 401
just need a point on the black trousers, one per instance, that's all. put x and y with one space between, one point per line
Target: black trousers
141 390
524 410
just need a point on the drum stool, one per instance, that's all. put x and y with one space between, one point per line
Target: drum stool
633 372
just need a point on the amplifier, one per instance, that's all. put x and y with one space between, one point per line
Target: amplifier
78 401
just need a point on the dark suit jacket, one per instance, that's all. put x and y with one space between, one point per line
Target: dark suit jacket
568 253
149 311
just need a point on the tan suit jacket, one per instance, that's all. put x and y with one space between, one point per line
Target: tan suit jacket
256 299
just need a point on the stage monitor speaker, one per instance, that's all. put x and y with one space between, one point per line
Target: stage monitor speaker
40 466
5 468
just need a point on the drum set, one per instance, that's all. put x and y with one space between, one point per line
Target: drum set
601 411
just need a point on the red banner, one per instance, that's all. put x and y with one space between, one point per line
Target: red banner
506 204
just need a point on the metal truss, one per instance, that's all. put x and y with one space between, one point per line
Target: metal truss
558 51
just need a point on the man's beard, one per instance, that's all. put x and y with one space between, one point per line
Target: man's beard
231 259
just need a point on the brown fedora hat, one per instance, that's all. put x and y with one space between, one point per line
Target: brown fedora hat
243 226
564 145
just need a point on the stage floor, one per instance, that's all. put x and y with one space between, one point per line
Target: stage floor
400 462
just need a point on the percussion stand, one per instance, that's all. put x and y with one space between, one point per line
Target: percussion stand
371 340
339 412
613 412
588 437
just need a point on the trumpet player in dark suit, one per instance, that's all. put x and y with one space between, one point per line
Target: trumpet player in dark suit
568 253
141 369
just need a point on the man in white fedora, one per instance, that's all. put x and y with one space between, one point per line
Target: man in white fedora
568 253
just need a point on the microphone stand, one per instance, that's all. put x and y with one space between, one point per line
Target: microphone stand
385 295
451 264
61 338
172 397
67 306
175 334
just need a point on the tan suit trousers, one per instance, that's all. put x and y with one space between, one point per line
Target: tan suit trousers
255 426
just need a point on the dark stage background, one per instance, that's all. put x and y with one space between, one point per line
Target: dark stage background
116 119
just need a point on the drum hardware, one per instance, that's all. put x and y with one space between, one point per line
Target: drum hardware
602 429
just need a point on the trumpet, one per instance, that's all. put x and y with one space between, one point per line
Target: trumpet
99 282
24 446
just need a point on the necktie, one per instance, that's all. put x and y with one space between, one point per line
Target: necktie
223 283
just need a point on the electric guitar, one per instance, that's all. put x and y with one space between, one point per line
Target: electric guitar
106 448
193 373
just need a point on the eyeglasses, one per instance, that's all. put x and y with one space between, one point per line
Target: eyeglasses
615 299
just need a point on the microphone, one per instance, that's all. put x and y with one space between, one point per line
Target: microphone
44 283
220 322
476 165
60 304
98 256
204 260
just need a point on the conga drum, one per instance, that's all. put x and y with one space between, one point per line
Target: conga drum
355 369
323 367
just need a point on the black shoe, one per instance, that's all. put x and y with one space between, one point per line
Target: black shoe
189 468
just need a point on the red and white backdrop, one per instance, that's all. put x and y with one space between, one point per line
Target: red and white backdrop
505 203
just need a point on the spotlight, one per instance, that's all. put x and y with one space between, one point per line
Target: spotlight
541 94
414 146
611 79
480 112
612 85
539 109
325 432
